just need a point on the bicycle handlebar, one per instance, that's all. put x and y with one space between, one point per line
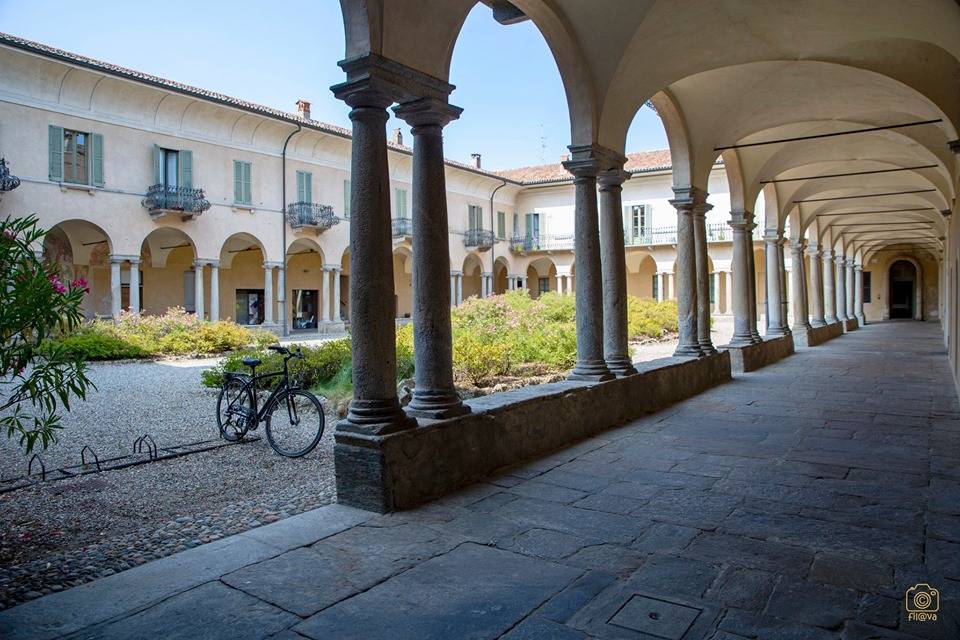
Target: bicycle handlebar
286 352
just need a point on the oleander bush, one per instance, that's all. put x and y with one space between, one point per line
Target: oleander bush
175 333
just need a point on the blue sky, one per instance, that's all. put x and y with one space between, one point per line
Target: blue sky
515 111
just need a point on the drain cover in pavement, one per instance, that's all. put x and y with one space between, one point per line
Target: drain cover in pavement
656 618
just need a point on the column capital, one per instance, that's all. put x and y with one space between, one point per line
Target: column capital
116 258
588 160
272 264
612 178
456 273
858 267
687 199
740 219
839 259
427 112
330 267
797 246
376 81
813 249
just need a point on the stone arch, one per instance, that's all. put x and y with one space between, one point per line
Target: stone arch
167 257
501 269
403 281
472 268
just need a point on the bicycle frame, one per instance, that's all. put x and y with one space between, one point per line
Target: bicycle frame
251 380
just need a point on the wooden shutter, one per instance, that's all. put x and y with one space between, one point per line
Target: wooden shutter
185 166
627 221
346 198
529 225
96 159
501 224
247 183
55 153
157 163
304 186
237 181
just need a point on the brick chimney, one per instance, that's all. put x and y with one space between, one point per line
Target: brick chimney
303 108
397 137
564 157
476 159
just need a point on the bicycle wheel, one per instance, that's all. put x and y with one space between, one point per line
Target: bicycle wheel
294 423
234 410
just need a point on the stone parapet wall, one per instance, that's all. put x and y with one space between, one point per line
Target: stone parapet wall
400 470
756 356
851 324
817 335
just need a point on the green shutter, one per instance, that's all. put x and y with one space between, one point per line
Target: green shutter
346 198
55 150
96 159
247 188
237 181
300 193
185 165
157 163
304 186
529 223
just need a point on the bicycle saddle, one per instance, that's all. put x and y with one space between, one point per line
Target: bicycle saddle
252 362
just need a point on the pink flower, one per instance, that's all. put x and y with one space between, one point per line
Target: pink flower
80 283
58 286
9 234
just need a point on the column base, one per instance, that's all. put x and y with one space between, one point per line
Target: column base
755 356
741 340
376 418
436 405
818 322
591 371
688 351
862 319
621 367
707 348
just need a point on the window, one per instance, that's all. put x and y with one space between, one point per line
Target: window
501 225
516 224
866 287
75 156
474 217
533 225
637 223
241 183
346 199
400 203
543 285
656 286
172 168
305 308
304 186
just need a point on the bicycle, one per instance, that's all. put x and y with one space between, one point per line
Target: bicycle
288 411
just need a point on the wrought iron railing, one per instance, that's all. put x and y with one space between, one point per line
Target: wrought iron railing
311 215
402 227
719 232
166 198
8 181
482 239
716 232
543 242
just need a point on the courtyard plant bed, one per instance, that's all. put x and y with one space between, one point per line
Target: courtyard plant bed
499 343
176 333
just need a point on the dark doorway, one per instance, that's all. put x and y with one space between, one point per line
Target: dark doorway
903 283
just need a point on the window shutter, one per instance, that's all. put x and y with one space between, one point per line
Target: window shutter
501 224
55 149
304 186
346 198
237 181
157 163
96 159
185 165
627 221
529 223
247 186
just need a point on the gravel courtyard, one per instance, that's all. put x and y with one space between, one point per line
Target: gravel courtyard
63 533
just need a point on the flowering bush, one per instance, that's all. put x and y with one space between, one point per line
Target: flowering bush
174 333
35 383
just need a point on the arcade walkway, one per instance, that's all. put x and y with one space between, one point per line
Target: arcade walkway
799 501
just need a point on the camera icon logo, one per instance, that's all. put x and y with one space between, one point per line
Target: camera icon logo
922 602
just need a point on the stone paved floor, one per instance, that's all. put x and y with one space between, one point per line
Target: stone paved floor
799 501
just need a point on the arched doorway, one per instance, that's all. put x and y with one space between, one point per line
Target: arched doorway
903 285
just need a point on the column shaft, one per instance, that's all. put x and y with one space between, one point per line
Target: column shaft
134 286
703 278
829 295
784 297
590 364
754 333
816 288
774 306
616 350
325 294
115 288
858 294
198 297
434 395
686 270
741 277
800 320
840 295
336 295
851 311
214 291
267 293
727 293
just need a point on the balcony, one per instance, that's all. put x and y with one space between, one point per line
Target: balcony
312 216
480 239
162 199
401 228
8 181
542 242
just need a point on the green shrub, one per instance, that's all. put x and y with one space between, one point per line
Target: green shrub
319 364
651 319
88 344
476 361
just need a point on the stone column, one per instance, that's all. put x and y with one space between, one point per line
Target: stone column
685 202
590 364
268 268
715 308
453 288
800 320
375 409
727 293
742 274
523 282
754 333
840 295
214 290
434 395
784 292
703 276
511 282
115 287
613 260
336 294
816 288
198 297
485 285
134 285
774 304
459 288
858 293
325 294
829 295
283 318
849 287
